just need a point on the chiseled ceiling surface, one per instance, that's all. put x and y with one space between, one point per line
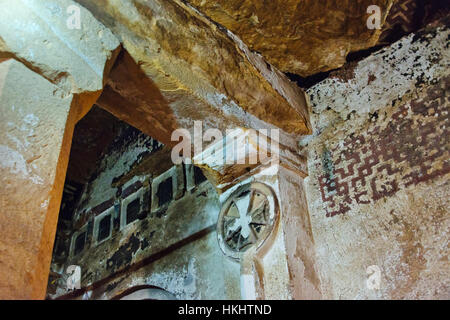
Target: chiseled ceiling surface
303 37
306 37
295 35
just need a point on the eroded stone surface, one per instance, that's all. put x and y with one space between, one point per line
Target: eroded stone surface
51 75
298 236
381 79
379 172
35 135
36 33
298 36
193 70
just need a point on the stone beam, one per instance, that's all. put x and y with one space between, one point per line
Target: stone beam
299 36
180 67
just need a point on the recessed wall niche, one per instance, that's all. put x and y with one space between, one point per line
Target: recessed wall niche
103 226
79 241
167 187
132 207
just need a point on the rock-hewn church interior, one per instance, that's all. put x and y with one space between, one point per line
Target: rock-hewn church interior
224 150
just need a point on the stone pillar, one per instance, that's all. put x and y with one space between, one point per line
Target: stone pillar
264 267
298 236
51 73
277 259
35 138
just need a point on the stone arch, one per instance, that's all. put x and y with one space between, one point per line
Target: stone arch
145 292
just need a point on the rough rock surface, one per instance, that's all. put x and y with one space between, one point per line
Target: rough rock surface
194 69
50 76
36 33
298 36
379 172
35 134
298 235
381 79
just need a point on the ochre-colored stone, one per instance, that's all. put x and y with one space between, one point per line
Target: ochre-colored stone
35 135
298 36
50 76
76 60
191 70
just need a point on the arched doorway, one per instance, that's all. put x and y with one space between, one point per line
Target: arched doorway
145 292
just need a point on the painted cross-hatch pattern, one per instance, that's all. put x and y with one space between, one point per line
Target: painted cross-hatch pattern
410 148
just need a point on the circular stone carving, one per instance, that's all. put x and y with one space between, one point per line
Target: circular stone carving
246 219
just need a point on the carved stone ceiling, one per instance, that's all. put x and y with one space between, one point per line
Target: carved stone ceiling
304 37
